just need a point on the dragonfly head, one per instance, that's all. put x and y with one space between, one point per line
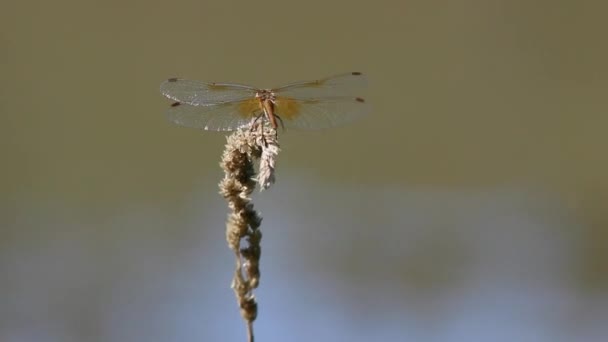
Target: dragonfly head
265 94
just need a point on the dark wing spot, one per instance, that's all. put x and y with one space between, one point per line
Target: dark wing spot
359 99
175 104
356 73
216 86
173 79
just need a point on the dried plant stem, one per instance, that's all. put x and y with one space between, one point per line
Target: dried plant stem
243 149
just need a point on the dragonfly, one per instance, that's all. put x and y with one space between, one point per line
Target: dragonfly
318 104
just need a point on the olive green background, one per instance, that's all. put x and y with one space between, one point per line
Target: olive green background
487 133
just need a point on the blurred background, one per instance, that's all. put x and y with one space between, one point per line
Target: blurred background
470 205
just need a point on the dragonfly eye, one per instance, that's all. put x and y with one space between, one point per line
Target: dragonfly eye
264 95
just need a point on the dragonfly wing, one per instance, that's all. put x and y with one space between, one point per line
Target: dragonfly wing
227 116
204 94
319 114
349 85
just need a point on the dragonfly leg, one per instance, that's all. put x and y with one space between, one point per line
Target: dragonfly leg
276 131
263 135
254 123
260 125
280 120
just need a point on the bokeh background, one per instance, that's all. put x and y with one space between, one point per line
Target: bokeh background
470 205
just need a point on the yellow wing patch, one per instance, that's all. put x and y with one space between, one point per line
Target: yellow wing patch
288 108
249 108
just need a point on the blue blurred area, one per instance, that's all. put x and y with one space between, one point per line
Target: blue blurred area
338 263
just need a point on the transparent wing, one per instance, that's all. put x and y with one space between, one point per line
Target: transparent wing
349 85
226 116
318 114
204 94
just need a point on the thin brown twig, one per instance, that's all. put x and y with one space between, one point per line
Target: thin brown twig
243 148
